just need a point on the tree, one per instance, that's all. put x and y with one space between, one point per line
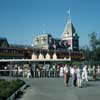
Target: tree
92 52
95 46
93 41
86 50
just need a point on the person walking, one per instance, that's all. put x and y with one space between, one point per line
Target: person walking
85 73
89 70
72 71
78 78
66 76
28 74
61 71
94 73
75 76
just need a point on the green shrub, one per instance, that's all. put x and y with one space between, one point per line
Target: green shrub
7 88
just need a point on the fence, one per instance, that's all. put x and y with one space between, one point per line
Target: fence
39 73
28 73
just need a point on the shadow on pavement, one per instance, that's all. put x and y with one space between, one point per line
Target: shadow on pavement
89 85
21 93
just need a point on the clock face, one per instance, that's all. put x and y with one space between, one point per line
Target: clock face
66 34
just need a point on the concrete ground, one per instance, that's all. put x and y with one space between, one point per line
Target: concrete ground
54 89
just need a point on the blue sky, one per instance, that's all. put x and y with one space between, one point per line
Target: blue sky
22 20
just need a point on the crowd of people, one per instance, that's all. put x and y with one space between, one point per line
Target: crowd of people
79 75
75 73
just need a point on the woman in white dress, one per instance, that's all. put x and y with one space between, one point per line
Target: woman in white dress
78 77
61 71
85 73
28 74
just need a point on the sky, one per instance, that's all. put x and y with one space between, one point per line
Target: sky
22 20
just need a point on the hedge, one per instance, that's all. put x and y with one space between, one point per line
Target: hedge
7 88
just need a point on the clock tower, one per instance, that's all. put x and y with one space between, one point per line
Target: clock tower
70 36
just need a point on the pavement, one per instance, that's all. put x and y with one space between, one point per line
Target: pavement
54 89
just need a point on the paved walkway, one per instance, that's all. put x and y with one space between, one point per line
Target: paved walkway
53 89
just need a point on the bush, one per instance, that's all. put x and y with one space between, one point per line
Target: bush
7 88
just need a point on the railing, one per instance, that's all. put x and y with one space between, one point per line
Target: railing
28 74
38 73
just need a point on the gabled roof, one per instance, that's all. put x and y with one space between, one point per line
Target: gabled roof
3 42
69 29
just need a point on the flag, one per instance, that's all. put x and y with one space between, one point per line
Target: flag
68 11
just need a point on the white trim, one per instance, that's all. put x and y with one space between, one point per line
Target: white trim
24 60
67 38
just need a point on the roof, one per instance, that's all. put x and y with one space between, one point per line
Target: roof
69 29
3 42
